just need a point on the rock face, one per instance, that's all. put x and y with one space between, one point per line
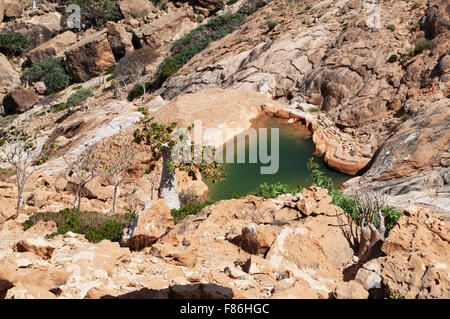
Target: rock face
89 57
53 48
211 5
120 40
8 76
418 254
38 246
345 70
19 101
150 225
12 8
163 31
135 8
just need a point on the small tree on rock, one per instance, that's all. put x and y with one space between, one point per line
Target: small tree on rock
86 167
20 150
369 205
161 139
118 158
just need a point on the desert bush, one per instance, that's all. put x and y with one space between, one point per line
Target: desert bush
192 209
422 46
51 72
195 41
13 43
78 97
393 58
94 225
96 13
266 190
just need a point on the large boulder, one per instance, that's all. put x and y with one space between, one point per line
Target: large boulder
51 21
119 39
8 75
418 256
20 100
53 48
13 8
163 31
150 225
211 5
135 8
2 10
90 57
38 246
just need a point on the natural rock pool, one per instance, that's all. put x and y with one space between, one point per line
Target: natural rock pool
295 148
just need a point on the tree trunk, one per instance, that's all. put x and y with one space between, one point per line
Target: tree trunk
19 201
115 198
77 207
168 185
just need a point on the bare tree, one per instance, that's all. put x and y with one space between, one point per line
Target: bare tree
20 150
119 157
131 68
368 206
86 167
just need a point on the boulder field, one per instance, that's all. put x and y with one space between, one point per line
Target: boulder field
288 247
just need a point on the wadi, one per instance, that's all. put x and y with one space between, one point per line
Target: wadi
243 149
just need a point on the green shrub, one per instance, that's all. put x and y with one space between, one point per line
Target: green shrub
422 46
110 70
231 2
59 107
416 4
348 204
94 225
163 6
51 72
273 190
194 42
96 13
391 27
78 97
192 209
271 24
393 58
76 88
13 43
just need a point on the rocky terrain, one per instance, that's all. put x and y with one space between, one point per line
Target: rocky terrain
268 249
369 79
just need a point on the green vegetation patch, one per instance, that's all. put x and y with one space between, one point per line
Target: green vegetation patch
348 204
191 209
94 226
13 43
195 41
95 13
51 72
78 97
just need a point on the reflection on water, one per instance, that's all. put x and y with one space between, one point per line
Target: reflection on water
295 148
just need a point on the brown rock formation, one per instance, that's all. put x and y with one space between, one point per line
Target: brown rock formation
89 57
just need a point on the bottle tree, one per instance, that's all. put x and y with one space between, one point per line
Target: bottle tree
164 140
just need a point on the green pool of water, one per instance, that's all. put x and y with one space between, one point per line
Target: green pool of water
295 148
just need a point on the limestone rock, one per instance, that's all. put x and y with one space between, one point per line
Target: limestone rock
19 101
149 225
350 290
13 8
38 246
53 48
417 259
90 57
119 39
135 8
40 87
8 75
